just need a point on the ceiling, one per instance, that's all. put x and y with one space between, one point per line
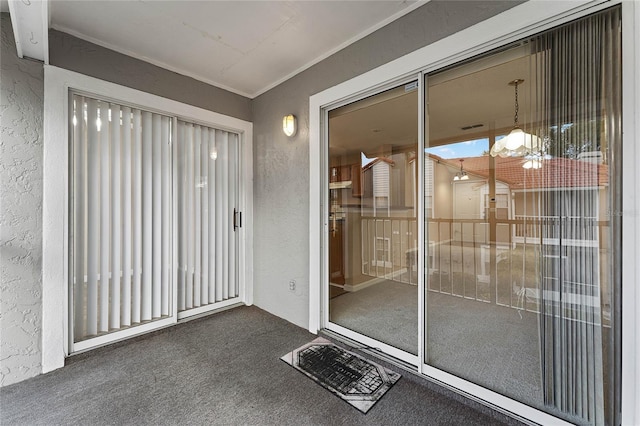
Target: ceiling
250 46
246 47
472 94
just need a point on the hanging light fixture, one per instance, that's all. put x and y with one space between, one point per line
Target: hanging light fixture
517 143
461 175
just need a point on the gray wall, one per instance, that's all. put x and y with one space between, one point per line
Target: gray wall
21 172
72 53
21 100
281 164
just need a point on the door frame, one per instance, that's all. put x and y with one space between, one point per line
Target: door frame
514 24
56 344
324 213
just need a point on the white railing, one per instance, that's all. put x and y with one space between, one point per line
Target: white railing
459 258
551 230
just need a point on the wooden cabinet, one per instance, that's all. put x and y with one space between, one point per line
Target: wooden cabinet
340 174
349 173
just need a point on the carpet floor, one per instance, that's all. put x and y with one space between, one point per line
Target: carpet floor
490 345
387 312
223 369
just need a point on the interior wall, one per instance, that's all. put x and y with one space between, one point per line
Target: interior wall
74 54
281 164
22 94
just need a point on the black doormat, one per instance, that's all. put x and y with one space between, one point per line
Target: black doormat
356 380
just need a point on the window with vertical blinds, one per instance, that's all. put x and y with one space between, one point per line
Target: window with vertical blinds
207 204
523 278
149 191
120 216
580 112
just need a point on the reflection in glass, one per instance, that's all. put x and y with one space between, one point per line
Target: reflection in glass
520 256
372 178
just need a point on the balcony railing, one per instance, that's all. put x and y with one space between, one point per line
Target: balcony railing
460 253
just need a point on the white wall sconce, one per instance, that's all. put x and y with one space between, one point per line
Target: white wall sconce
289 125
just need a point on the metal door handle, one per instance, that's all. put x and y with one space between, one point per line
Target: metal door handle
237 223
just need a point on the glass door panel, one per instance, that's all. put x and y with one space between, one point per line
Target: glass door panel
120 221
208 218
519 264
373 248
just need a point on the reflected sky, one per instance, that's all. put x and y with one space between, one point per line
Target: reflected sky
472 148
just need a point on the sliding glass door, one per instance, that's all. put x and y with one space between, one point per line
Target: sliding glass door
207 191
155 220
119 231
522 152
518 175
372 234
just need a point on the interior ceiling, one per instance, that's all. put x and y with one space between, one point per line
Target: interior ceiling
470 94
244 46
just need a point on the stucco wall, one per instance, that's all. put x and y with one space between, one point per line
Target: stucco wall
281 164
21 172
22 93
74 54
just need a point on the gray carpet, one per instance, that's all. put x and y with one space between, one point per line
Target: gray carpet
223 369
490 345
487 344
387 312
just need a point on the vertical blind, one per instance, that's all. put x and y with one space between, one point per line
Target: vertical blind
120 221
207 198
579 93
126 186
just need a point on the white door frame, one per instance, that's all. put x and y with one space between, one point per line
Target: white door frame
56 343
368 341
514 24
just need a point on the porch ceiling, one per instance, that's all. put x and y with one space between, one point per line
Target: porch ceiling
244 46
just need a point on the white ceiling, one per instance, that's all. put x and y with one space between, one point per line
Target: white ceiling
247 47
250 46
476 93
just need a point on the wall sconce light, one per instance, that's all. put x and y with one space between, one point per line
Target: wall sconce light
289 125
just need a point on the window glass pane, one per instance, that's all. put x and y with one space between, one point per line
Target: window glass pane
518 235
207 175
119 221
372 217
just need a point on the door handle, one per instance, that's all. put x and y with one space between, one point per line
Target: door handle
237 219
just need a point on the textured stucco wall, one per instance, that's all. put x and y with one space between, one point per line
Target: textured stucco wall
281 164
74 54
21 111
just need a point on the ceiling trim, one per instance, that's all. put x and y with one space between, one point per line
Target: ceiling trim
259 92
152 61
338 48
30 21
